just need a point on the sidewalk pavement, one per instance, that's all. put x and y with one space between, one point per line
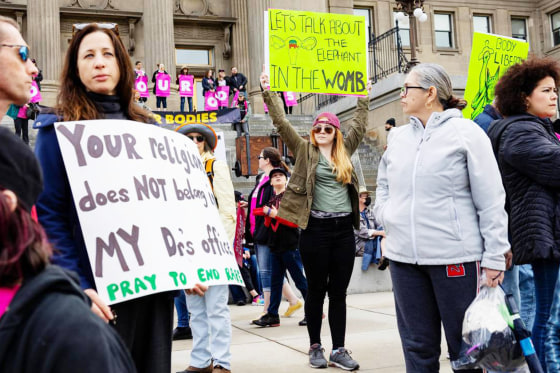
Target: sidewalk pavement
371 335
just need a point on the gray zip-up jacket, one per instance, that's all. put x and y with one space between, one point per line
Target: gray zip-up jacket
439 195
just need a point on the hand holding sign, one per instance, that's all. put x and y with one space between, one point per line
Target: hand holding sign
265 82
98 306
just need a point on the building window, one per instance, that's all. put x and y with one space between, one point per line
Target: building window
443 28
367 13
482 24
404 30
519 28
555 21
194 56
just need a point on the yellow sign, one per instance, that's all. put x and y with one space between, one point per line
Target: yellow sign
491 56
317 52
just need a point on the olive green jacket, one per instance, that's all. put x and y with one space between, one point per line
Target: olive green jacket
297 202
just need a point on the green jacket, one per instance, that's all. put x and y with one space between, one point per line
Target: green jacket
297 202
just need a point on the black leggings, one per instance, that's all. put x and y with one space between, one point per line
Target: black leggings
327 250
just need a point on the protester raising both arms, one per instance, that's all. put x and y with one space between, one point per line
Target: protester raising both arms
145 323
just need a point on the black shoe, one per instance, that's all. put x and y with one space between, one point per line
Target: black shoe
241 303
383 263
303 322
268 320
182 332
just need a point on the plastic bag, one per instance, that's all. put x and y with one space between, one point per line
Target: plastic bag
488 339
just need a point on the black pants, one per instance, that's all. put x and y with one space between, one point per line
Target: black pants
425 297
161 101
22 130
327 251
146 325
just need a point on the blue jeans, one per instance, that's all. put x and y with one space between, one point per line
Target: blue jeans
182 310
546 275
282 261
237 293
255 274
189 99
552 349
211 328
263 258
161 101
527 292
511 283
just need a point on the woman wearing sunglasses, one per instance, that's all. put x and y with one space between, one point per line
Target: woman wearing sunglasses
322 199
96 83
441 201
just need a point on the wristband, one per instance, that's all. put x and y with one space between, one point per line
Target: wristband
268 212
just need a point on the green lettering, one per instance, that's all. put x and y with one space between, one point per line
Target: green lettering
112 289
125 288
200 273
152 280
174 277
138 284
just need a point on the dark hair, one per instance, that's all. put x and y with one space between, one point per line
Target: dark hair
520 80
137 62
273 156
24 250
391 121
183 69
209 71
72 101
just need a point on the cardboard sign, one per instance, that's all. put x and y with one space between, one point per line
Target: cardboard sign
186 85
141 85
177 118
491 56
210 101
234 101
146 208
290 98
222 95
163 85
35 92
316 52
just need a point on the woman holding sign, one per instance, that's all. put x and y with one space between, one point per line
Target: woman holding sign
96 83
184 72
322 199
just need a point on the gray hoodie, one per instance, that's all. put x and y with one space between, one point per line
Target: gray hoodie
440 196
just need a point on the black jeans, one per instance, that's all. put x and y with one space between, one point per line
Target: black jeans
22 129
327 251
427 296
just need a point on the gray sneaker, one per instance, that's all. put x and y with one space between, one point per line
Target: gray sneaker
316 356
342 359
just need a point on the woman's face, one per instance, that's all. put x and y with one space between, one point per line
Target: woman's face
195 136
413 100
263 162
542 101
98 68
324 132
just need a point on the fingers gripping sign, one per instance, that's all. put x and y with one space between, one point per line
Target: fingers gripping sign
264 79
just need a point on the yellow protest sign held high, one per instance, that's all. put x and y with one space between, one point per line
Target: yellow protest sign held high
317 52
491 56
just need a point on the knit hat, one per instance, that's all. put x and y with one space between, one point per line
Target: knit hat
204 129
19 169
332 119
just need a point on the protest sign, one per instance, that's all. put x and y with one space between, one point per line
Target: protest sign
210 101
290 98
491 56
186 84
163 85
235 100
222 95
35 92
316 52
141 85
176 118
152 224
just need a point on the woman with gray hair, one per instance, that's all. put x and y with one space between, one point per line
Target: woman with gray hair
442 207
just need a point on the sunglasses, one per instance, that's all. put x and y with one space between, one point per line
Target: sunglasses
107 26
260 157
328 129
23 50
197 138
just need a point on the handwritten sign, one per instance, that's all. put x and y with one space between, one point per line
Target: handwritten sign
160 225
210 101
163 85
316 52
141 85
222 95
35 92
290 98
491 56
186 84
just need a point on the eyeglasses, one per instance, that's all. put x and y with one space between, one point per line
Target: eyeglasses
23 50
260 157
328 129
107 26
197 138
404 90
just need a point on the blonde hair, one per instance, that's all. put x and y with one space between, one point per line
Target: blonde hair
340 161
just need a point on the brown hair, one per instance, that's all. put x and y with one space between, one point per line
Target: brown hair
341 164
520 80
274 157
72 101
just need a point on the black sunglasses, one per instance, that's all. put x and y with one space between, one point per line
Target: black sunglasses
23 50
260 157
108 26
328 129
198 138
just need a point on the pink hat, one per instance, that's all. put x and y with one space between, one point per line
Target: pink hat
332 119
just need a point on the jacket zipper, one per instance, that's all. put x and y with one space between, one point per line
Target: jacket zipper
413 202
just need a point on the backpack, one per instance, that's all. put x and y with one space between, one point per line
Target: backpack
209 167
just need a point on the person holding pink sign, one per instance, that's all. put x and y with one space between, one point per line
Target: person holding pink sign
162 86
186 84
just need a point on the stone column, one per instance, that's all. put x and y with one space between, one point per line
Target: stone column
240 42
256 50
159 39
43 33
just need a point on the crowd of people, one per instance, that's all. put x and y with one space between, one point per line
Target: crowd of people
455 209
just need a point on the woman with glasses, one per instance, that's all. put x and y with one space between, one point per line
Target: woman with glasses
209 314
322 199
97 83
441 201
529 157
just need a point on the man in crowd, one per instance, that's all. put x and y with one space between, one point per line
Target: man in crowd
238 82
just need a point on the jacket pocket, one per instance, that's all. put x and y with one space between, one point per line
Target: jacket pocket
297 184
454 219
